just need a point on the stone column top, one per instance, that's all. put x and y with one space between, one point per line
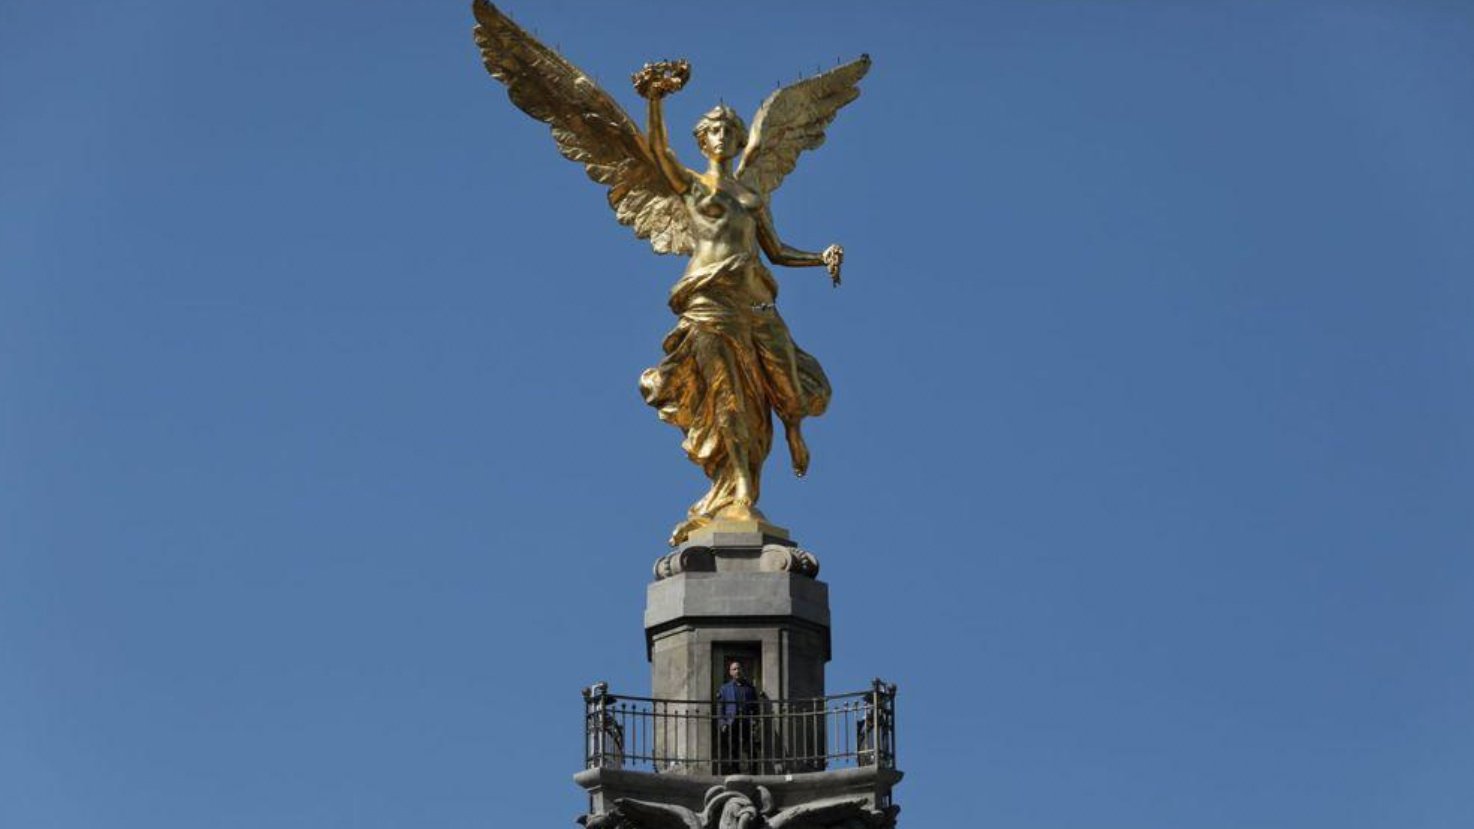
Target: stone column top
738 547
736 595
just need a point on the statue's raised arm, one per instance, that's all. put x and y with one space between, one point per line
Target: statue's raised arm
589 126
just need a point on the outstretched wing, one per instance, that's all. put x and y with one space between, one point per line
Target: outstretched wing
825 813
657 815
588 125
793 120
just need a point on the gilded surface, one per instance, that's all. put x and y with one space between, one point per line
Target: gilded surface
730 364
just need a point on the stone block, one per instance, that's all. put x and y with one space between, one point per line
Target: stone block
736 595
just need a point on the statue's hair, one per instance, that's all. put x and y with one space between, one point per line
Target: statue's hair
718 114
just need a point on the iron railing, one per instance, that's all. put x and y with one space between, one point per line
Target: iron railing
669 736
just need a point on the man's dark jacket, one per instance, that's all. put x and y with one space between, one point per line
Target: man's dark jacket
736 698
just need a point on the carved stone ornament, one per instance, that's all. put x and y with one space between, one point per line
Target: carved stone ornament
774 558
731 807
781 558
685 560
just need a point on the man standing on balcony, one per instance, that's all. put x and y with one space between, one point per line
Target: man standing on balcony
736 705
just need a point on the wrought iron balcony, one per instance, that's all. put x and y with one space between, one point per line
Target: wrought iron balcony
709 737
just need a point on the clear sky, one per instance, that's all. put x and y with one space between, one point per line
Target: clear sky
325 484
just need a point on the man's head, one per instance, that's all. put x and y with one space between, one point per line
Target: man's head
734 670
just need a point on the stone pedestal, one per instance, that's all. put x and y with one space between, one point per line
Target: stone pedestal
740 592
735 591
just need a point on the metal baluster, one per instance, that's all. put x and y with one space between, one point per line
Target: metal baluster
846 737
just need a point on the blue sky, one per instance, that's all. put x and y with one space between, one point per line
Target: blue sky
325 483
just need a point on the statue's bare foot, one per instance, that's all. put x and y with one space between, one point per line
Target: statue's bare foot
797 449
684 529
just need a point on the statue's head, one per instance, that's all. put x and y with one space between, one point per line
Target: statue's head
721 133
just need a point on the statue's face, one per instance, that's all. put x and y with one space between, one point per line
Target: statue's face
721 140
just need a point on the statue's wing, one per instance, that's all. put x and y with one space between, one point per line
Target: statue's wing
793 120
825 813
656 815
588 125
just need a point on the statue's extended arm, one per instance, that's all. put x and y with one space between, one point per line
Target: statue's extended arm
654 82
674 173
780 254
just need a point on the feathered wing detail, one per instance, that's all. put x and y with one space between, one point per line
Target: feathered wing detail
656 815
793 120
821 814
589 126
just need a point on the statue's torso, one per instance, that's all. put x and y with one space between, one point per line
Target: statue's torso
724 222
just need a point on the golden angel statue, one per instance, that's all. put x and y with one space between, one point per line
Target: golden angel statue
730 363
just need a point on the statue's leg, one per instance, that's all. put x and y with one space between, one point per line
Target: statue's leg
798 451
779 359
728 431
710 384
729 497
741 473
